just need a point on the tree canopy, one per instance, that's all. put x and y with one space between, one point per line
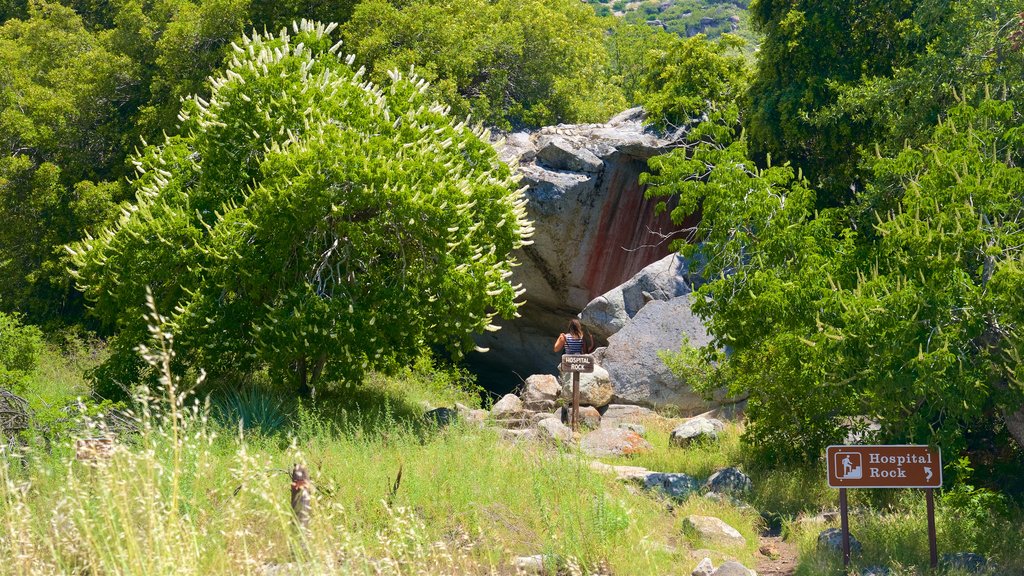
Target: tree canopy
307 220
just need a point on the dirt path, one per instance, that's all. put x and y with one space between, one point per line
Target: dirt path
776 557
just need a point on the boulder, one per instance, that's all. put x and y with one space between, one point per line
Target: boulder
677 486
595 388
614 414
694 430
638 374
611 442
1015 425
516 436
729 481
663 280
713 530
529 564
623 473
540 392
638 428
594 229
510 406
733 568
552 429
473 416
832 541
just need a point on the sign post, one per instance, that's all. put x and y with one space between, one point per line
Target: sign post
576 363
885 466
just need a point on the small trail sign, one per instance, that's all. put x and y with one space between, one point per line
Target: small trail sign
574 364
885 466
577 363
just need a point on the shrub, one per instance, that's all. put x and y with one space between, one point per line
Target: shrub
19 352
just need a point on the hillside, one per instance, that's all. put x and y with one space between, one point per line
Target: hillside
684 17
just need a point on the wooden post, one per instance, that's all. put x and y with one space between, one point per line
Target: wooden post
575 400
300 496
844 523
933 548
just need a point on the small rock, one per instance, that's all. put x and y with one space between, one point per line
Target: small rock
589 416
733 568
518 435
769 551
832 540
510 406
610 442
729 481
678 486
714 531
529 564
441 417
704 568
552 429
966 561
540 392
696 429
875 571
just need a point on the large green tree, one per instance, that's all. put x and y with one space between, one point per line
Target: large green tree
904 308
310 221
509 63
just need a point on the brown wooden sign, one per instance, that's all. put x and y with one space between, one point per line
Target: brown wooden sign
884 466
577 363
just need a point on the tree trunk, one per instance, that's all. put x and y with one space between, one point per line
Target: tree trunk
1015 425
303 377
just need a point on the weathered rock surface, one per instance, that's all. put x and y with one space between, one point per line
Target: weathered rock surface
733 568
678 486
969 562
832 540
1015 425
704 568
529 564
729 481
540 392
615 414
638 375
552 429
610 442
441 417
713 530
595 388
624 473
510 406
593 228
694 430
663 280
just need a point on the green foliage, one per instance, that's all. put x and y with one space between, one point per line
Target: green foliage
908 317
688 18
19 352
509 63
690 79
251 408
836 76
309 221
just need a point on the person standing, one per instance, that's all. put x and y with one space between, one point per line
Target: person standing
572 340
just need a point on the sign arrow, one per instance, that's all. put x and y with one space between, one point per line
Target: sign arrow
928 474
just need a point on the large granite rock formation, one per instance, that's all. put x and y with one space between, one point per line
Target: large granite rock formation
594 230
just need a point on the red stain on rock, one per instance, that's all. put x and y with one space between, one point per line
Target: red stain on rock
629 234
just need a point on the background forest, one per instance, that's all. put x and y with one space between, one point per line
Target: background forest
857 166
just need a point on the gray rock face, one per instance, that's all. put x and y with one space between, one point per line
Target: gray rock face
832 540
1015 425
638 375
441 417
611 442
594 229
964 561
733 568
713 530
704 568
663 280
729 481
540 392
677 486
696 430
595 388
627 414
